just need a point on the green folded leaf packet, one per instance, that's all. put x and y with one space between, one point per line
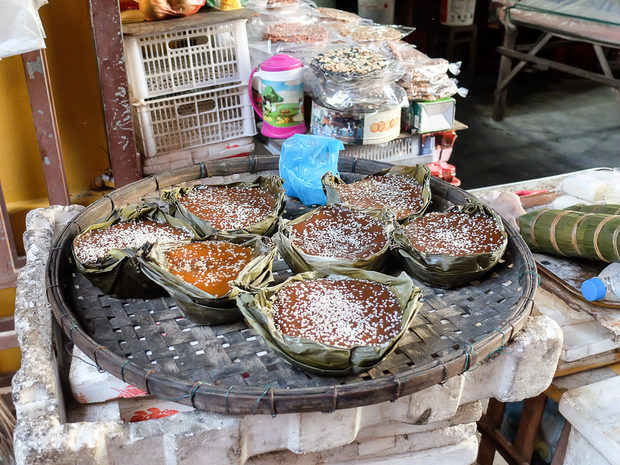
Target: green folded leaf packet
450 249
100 251
405 190
569 233
333 323
197 275
335 236
602 209
240 207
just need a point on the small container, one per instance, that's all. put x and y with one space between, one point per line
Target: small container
282 93
356 128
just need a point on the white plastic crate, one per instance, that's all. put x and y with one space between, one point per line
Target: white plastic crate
404 150
194 119
187 59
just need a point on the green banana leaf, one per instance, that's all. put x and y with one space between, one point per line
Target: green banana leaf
117 274
320 358
420 173
572 233
300 261
198 305
446 271
272 184
603 209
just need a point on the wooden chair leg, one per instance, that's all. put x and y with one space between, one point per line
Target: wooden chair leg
560 450
531 416
505 64
493 419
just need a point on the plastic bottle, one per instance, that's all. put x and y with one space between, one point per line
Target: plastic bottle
605 286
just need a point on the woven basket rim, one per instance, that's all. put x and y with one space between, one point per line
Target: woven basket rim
251 400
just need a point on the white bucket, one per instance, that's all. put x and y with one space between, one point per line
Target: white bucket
457 12
380 11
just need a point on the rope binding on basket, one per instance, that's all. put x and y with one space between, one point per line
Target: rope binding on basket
396 380
146 379
252 160
528 270
123 370
226 398
335 398
267 388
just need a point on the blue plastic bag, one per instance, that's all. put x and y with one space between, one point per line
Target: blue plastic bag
303 161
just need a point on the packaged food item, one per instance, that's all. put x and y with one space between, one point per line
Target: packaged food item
356 128
383 301
568 233
450 249
226 5
295 32
159 9
333 14
378 32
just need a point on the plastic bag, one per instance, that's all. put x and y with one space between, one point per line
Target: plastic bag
349 67
360 99
226 5
594 186
21 29
378 32
422 90
303 162
153 10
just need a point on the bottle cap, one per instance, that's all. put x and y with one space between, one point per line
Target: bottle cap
593 289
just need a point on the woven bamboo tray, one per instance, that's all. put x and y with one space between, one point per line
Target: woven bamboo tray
227 369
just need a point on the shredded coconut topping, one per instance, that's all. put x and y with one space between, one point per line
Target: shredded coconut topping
95 244
338 312
454 233
209 265
335 231
229 208
401 194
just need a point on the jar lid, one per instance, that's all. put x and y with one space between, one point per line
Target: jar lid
281 62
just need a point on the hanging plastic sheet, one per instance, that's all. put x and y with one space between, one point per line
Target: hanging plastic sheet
21 29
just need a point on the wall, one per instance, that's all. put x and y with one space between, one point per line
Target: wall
75 85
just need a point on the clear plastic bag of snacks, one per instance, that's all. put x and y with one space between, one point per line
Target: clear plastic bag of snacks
359 99
348 67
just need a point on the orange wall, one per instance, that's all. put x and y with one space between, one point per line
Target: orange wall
75 86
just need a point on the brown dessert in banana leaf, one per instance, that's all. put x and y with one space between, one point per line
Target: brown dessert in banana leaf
333 324
240 207
100 250
449 249
198 275
335 236
405 190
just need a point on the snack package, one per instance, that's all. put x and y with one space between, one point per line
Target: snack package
226 5
153 10
348 67
303 161
359 100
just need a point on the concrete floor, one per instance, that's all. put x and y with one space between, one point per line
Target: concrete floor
554 124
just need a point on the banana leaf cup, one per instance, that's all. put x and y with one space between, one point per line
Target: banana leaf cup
118 274
316 357
198 305
272 184
300 261
448 271
420 173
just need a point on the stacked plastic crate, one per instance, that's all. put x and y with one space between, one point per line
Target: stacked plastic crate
188 92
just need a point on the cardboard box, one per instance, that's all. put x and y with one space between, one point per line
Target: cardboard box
429 116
